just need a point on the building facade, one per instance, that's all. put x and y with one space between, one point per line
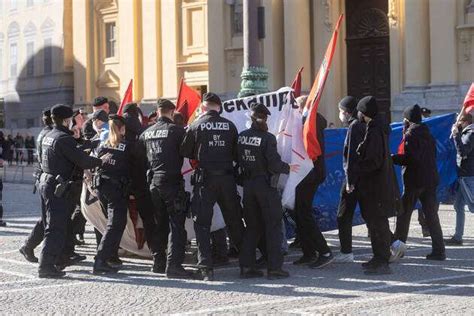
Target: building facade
36 68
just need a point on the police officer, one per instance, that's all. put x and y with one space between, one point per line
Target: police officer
212 140
111 182
100 103
162 141
260 166
59 158
37 234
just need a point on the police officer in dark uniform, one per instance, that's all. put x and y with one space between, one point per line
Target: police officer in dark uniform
261 166
162 141
37 234
100 103
112 186
212 140
59 158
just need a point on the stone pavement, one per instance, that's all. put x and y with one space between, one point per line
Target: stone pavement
417 286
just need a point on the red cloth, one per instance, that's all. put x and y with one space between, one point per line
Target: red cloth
127 98
310 140
468 104
188 101
296 85
401 147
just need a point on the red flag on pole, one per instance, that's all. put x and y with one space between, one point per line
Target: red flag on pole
188 101
310 139
468 104
296 85
127 98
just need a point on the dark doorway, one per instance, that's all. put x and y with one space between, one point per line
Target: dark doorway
368 51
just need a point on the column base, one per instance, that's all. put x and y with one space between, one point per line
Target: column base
254 81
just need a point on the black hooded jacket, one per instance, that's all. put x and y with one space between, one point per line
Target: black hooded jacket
419 158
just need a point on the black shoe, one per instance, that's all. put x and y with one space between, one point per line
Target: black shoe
3 223
322 261
378 269
436 256
233 252
250 273
28 254
101 267
178 272
219 261
295 244
305 260
277 274
261 263
50 273
453 242
425 231
159 264
369 264
205 274
76 258
115 262
78 241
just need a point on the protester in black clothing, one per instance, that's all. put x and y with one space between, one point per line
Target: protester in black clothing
377 190
310 236
348 202
420 179
261 166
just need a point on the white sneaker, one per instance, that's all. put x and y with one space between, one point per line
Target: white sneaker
344 257
398 250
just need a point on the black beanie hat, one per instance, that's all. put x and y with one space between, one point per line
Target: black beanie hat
62 111
413 113
100 101
165 104
348 104
368 106
212 97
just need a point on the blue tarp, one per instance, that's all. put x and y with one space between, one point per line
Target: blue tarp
326 199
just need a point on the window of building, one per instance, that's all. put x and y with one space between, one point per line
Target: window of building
111 40
237 18
30 3
48 56
30 64
13 5
13 59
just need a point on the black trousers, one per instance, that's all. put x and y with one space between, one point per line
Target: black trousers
345 215
55 218
113 199
223 190
219 243
379 229
78 221
262 214
311 238
164 198
36 235
430 206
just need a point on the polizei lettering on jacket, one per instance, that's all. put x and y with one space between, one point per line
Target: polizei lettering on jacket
250 141
156 134
215 126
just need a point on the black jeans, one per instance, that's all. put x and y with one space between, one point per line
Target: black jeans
430 206
262 214
112 198
223 190
345 215
172 219
311 238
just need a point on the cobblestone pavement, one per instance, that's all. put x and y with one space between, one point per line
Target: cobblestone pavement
417 286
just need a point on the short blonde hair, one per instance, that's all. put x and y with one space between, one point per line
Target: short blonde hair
301 101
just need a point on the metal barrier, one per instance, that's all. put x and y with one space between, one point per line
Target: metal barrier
17 174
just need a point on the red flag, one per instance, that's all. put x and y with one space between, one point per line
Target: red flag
296 85
468 104
188 101
127 98
401 147
310 139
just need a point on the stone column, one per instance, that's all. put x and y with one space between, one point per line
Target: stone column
297 40
417 43
254 75
443 42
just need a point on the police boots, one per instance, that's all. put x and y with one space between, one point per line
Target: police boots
249 273
50 272
28 254
177 272
102 267
159 264
277 274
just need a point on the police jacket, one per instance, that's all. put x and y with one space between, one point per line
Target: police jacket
212 140
60 154
355 135
118 165
464 142
162 142
419 158
39 140
258 154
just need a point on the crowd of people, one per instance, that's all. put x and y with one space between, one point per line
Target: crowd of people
18 149
122 157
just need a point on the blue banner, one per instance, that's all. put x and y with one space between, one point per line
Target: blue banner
326 199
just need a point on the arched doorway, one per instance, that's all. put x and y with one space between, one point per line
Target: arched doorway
368 51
